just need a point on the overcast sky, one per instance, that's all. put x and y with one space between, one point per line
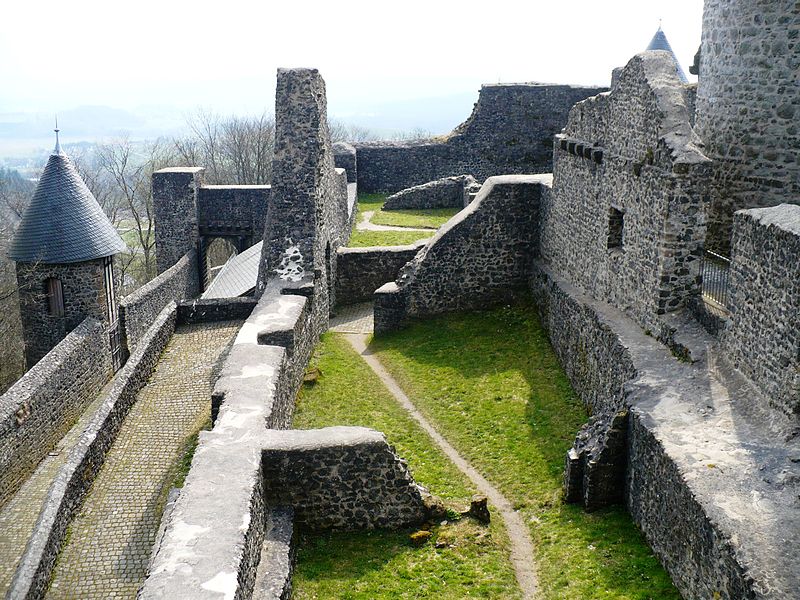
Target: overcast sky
223 55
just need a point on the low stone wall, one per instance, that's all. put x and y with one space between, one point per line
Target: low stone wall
510 131
85 460
480 256
682 453
450 192
208 310
762 339
361 271
40 408
138 310
588 348
255 393
340 478
344 157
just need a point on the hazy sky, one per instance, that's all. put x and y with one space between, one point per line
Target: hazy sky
223 55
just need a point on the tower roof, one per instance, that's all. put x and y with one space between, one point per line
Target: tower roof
63 223
660 42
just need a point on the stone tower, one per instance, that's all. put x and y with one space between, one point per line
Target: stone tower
748 106
63 249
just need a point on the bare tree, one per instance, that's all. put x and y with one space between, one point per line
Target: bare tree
129 168
11 358
233 150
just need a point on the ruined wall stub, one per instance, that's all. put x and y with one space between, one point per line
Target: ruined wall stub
625 219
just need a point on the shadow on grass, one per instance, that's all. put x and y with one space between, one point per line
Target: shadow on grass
491 384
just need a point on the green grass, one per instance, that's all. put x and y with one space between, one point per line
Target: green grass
368 202
401 218
433 218
361 239
492 385
383 564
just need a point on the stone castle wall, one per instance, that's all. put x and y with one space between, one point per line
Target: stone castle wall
84 294
139 309
479 257
450 192
76 475
748 105
625 218
341 478
39 409
233 210
175 213
762 338
510 131
361 271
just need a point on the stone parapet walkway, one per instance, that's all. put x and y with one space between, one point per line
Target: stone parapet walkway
19 515
110 539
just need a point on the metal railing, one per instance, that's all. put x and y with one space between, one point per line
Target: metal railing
714 269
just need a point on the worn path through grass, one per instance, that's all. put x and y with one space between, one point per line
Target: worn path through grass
463 559
492 385
521 547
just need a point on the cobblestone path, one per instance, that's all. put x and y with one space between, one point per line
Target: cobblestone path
19 514
354 318
108 549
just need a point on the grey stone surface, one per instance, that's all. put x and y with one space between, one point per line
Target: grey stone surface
307 218
344 156
85 460
139 309
762 338
41 406
276 565
84 293
340 478
651 174
748 103
710 478
214 309
478 257
175 213
509 131
234 211
361 271
449 192
594 474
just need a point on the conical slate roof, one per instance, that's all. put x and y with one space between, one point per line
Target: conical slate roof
63 223
660 42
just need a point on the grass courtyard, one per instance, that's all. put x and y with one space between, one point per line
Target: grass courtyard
493 387
396 218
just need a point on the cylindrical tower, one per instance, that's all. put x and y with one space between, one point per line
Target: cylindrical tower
64 248
748 105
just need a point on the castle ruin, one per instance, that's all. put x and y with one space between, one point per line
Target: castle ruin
602 204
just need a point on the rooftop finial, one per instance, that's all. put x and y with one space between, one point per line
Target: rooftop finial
659 24
58 145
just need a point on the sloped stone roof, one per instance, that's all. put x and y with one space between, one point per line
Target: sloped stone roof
660 42
63 223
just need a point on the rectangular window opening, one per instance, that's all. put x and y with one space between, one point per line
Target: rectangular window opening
616 222
55 297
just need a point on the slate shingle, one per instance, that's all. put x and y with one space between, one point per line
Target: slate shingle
63 223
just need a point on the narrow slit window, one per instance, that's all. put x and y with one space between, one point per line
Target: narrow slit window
616 223
55 297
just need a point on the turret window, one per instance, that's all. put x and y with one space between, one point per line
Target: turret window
55 297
